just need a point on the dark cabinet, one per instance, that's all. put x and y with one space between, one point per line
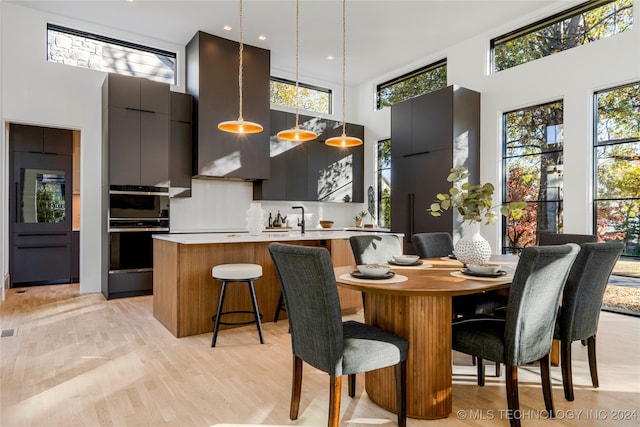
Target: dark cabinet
137 123
313 171
212 79
181 131
40 201
430 134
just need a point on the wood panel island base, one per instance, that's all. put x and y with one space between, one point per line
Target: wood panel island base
185 296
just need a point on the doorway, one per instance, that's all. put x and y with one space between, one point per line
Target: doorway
44 197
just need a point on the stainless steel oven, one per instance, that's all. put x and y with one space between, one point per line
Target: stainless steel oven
135 214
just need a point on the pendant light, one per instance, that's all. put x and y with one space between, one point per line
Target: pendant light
344 140
296 134
240 125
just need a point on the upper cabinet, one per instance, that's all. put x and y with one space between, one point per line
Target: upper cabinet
136 125
430 134
180 144
313 171
212 79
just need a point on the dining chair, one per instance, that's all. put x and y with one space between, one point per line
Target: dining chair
433 245
581 305
546 238
320 338
526 334
374 249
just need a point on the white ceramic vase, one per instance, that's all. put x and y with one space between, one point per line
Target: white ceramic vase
472 248
255 219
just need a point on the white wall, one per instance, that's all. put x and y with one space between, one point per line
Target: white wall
572 76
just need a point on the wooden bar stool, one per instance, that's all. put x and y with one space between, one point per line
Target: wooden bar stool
232 273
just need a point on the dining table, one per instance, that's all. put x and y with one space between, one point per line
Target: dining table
416 303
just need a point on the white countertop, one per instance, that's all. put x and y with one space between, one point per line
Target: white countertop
245 237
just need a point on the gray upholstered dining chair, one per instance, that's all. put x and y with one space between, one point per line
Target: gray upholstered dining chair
581 304
320 338
375 248
433 245
546 238
526 334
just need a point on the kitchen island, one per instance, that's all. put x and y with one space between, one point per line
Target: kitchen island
185 296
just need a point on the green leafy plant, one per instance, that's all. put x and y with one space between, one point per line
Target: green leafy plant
472 202
360 216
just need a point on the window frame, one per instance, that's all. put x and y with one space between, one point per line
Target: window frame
328 91
115 42
542 23
608 143
408 76
559 201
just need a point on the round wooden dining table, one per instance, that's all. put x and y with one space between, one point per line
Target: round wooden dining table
418 308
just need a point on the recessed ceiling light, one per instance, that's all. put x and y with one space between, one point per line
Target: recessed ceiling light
262 38
330 58
227 28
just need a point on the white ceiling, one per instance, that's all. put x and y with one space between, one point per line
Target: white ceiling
382 36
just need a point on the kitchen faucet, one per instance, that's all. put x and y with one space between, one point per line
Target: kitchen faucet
300 222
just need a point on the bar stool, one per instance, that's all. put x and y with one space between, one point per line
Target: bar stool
232 273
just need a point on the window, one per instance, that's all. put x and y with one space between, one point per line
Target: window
532 165
591 21
418 82
384 183
312 98
617 164
86 50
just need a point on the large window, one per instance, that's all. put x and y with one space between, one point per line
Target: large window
591 21
86 50
384 183
418 82
311 98
617 175
532 164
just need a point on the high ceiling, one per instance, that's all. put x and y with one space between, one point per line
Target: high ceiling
382 36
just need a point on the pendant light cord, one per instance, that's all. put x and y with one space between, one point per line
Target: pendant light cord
241 48
297 64
344 66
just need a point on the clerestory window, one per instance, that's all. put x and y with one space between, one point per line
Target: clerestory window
588 22
82 49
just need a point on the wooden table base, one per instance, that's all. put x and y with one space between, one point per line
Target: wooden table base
426 322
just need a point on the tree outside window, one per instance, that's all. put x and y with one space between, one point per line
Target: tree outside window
617 163
533 165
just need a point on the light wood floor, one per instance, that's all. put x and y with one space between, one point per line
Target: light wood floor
79 360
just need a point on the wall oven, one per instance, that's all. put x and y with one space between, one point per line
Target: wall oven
135 214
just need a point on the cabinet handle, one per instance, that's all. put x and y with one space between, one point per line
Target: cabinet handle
411 213
42 246
138 109
41 234
17 203
415 154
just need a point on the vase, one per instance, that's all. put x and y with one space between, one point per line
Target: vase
255 219
472 248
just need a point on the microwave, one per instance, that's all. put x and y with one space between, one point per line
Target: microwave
138 208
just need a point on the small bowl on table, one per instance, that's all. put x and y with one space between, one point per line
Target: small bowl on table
326 224
484 268
373 270
405 259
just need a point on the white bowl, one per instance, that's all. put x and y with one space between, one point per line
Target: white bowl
484 268
405 259
373 270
